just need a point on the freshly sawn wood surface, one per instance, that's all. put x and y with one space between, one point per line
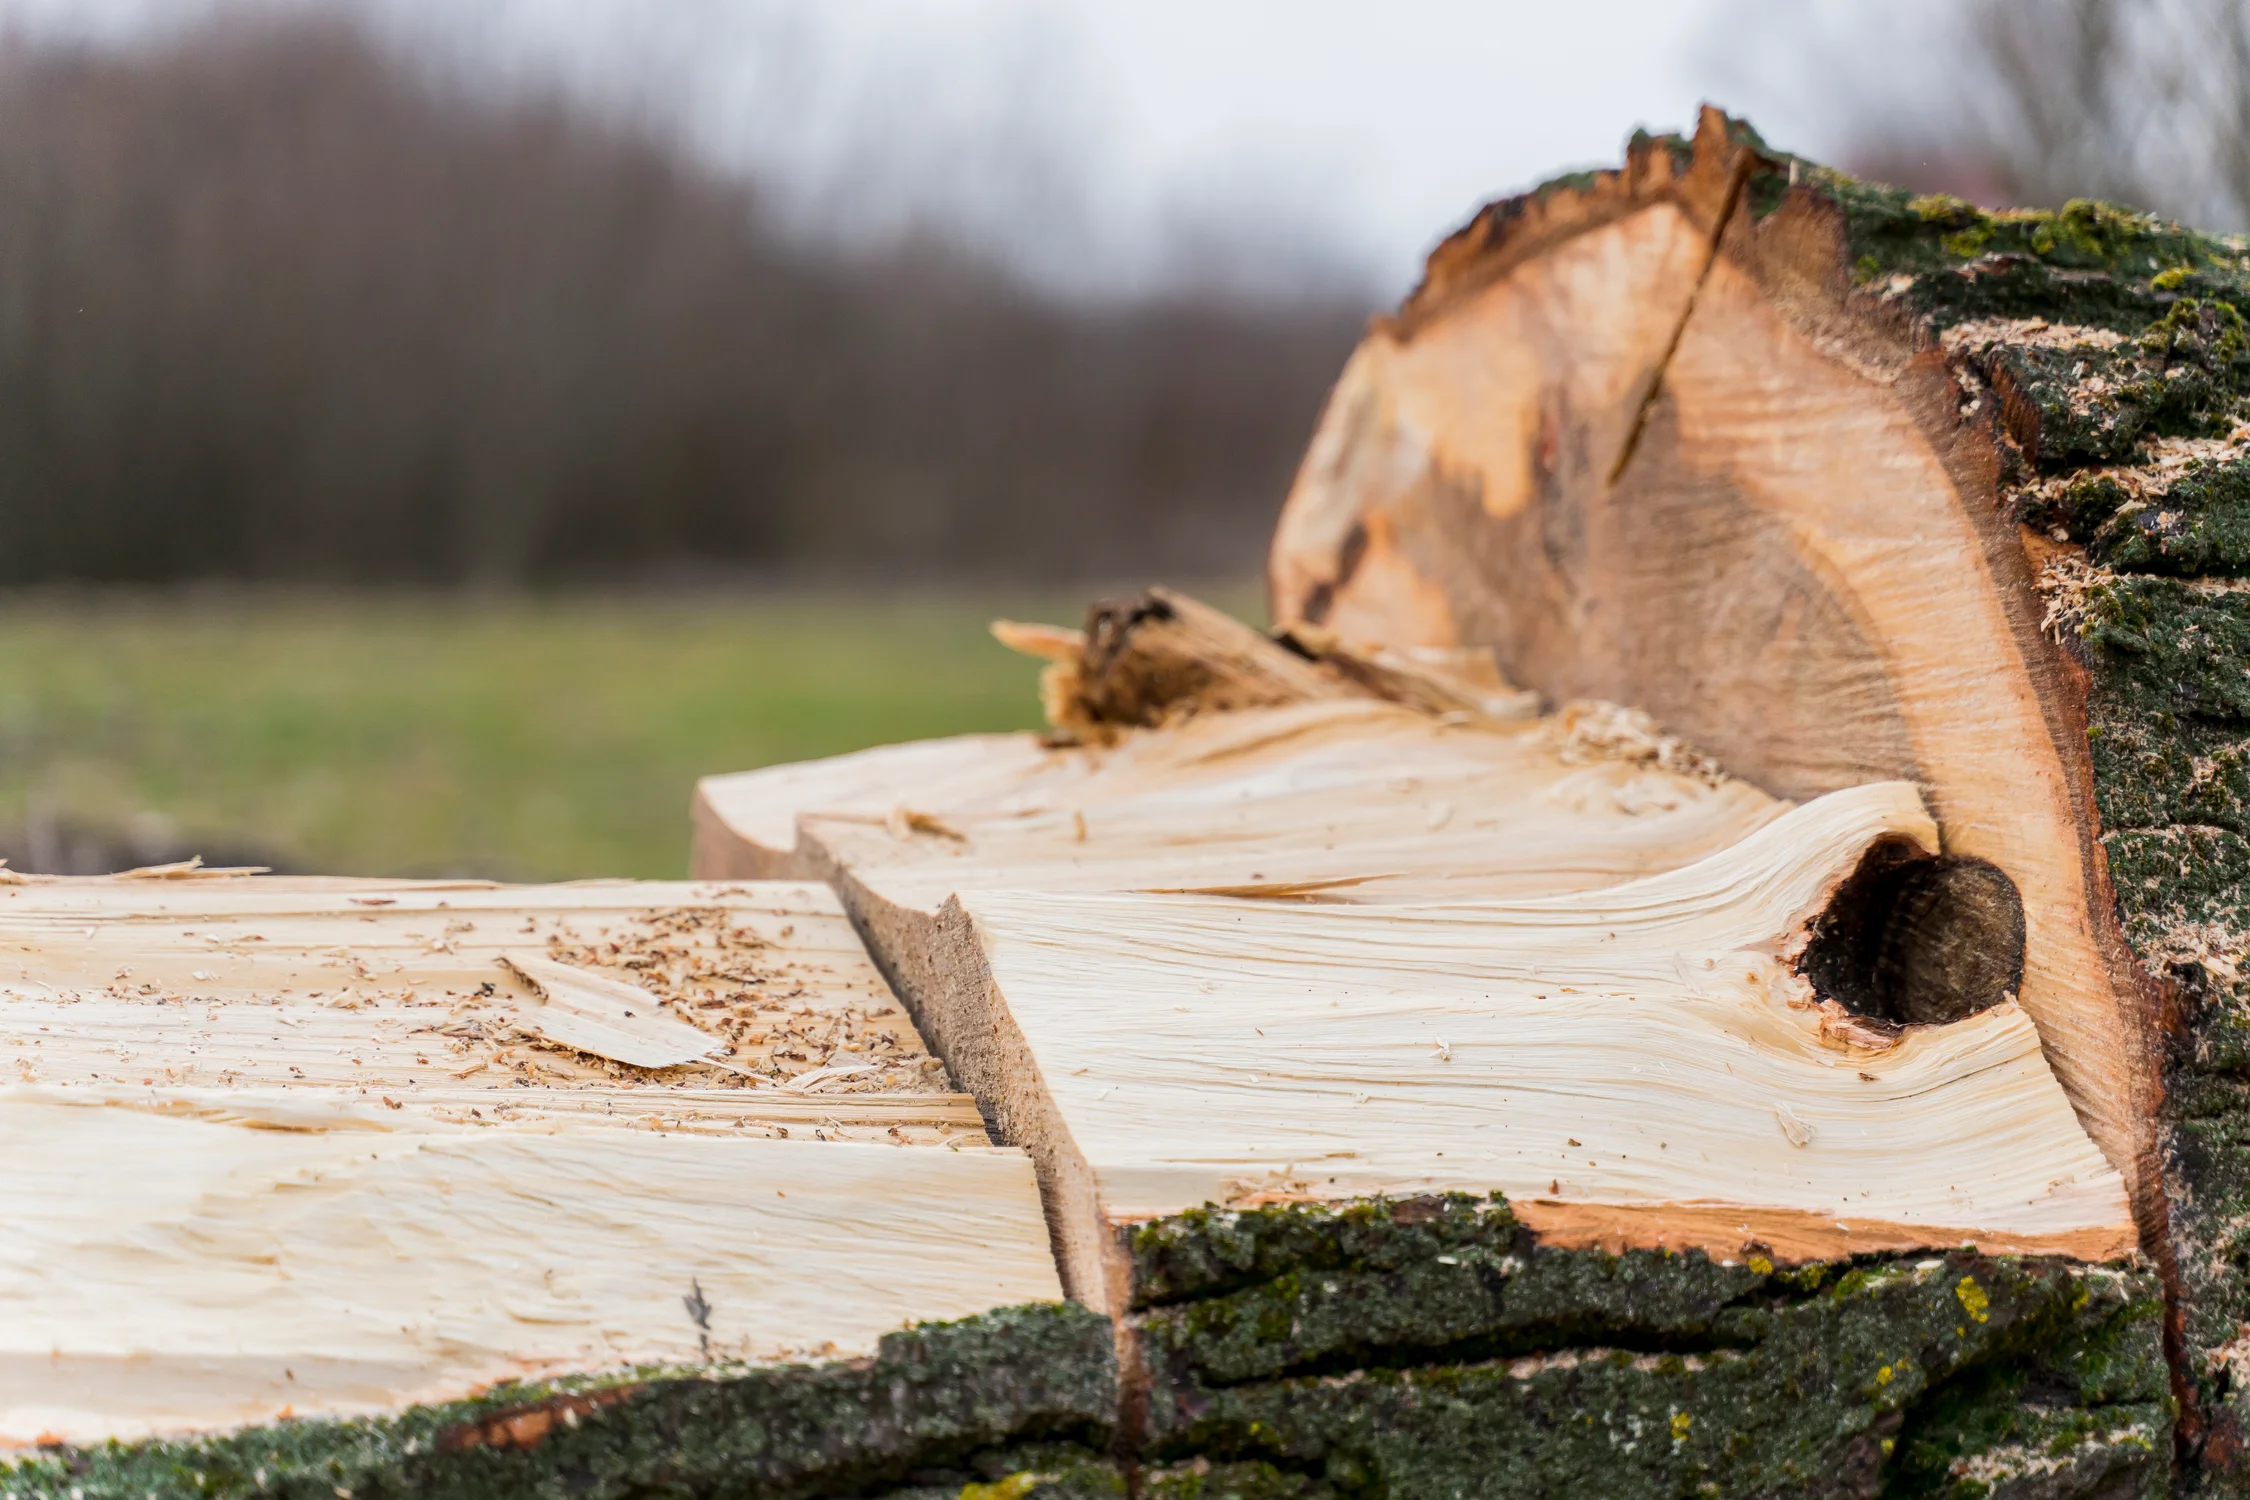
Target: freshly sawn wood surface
306 1173
1636 1066
1701 956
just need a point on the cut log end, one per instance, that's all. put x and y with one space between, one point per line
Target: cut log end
1742 1080
1843 484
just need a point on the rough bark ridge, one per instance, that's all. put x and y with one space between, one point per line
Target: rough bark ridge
2076 384
1430 1346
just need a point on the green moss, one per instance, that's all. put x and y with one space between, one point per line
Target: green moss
936 1395
1511 1297
2169 737
1051 1471
2192 522
1210 1250
1818 1399
1568 182
1989 1429
1203 1480
2087 263
2077 509
2092 398
2208 333
2168 648
2190 772
1433 1347
1926 235
1678 147
2198 525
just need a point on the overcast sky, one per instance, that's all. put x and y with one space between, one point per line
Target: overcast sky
1111 144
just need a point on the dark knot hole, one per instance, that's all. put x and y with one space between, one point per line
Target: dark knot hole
1918 941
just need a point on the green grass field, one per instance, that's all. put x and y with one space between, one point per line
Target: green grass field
546 739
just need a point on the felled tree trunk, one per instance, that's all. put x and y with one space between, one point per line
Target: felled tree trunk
1841 486
1699 958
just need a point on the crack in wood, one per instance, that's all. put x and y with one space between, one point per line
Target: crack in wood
1735 182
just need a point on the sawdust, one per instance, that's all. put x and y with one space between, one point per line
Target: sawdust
1588 730
778 1014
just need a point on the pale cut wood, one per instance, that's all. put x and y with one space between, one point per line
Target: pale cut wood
1637 1065
393 996
163 1275
1781 541
745 824
300 1147
1348 800
608 1017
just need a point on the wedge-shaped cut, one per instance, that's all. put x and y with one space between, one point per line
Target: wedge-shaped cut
1641 1065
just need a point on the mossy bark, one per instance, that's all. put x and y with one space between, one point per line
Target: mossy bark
2107 351
1432 1347
1017 1402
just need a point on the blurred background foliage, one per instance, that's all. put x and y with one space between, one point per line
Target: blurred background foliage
276 305
411 466
515 739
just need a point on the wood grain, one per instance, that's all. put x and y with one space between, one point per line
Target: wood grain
1645 1055
1787 573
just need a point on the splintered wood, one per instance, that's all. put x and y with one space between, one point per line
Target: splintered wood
1340 799
290 1146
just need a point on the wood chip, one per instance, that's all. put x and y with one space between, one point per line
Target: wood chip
608 1017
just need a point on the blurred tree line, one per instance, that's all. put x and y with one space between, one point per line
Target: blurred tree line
2017 102
2140 101
276 305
